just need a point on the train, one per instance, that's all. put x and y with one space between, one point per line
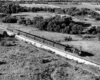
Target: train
48 42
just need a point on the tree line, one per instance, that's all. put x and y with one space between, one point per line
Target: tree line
54 24
10 8
16 8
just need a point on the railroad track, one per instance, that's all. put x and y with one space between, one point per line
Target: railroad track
55 50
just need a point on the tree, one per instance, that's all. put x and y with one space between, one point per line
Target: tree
92 30
80 29
21 20
28 22
9 19
68 38
57 28
74 29
63 25
98 29
37 18
49 28
41 25
77 29
67 29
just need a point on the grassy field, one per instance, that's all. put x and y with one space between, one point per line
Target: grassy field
90 46
31 15
83 5
54 35
88 20
39 5
26 62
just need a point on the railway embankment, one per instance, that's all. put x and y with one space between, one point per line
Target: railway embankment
53 49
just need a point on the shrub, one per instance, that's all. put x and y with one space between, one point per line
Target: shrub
36 19
9 19
8 43
68 38
28 22
77 29
98 29
21 20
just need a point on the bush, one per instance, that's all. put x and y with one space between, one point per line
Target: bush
28 22
68 38
9 19
57 24
7 43
77 29
93 30
21 20
36 19
97 18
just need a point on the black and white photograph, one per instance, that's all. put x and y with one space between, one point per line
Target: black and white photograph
49 39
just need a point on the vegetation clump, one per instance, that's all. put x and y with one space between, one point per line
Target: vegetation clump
10 8
58 24
7 40
9 19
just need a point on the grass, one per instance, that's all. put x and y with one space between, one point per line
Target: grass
89 46
83 5
88 20
39 5
54 35
31 15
